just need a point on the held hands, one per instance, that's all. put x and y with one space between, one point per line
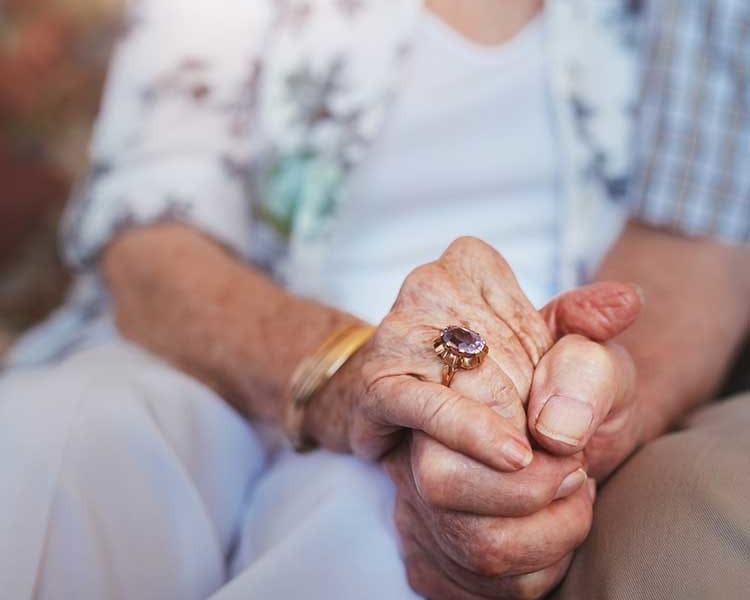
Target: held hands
479 512
552 378
468 531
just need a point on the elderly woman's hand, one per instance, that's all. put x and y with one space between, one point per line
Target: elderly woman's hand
392 384
394 380
583 397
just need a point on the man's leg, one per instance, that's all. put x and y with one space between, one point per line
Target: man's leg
674 521
120 478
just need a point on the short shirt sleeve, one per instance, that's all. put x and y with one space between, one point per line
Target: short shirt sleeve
692 151
173 142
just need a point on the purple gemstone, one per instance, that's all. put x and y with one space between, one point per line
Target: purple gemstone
463 340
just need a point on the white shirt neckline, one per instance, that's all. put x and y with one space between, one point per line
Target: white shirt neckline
471 127
506 52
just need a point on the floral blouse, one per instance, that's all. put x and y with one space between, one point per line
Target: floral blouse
244 118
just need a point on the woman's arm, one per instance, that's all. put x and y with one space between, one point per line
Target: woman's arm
185 298
673 357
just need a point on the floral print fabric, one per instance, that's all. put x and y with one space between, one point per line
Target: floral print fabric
256 112
244 119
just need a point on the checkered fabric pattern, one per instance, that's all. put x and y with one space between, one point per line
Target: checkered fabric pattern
692 167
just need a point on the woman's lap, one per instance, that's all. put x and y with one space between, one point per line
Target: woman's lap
122 477
129 479
126 479
319 525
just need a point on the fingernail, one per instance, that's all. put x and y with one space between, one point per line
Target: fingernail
517 453
565 420
591 484
571 483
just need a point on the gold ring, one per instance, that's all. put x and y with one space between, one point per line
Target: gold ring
459 348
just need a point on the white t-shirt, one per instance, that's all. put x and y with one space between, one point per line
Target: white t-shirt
468 149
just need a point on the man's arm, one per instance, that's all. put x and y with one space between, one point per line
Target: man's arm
690 178
673 357
696 314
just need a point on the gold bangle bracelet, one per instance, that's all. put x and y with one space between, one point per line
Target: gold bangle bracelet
314 372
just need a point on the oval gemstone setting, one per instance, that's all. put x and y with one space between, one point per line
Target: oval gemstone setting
462 340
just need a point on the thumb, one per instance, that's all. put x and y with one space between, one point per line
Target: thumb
577 386
599 311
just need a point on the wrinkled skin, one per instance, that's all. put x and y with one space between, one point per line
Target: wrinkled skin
477 519
474 520
481 415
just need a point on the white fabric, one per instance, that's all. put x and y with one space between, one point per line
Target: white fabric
122 478
155 148
469 149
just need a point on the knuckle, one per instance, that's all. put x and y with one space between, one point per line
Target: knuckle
421 283
488 560
421 276
483 549
467 247
466 242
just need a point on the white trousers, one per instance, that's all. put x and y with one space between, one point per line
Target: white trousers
121 477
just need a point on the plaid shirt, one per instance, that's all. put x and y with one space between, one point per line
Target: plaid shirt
692 169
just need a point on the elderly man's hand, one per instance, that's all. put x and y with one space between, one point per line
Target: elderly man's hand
583 397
